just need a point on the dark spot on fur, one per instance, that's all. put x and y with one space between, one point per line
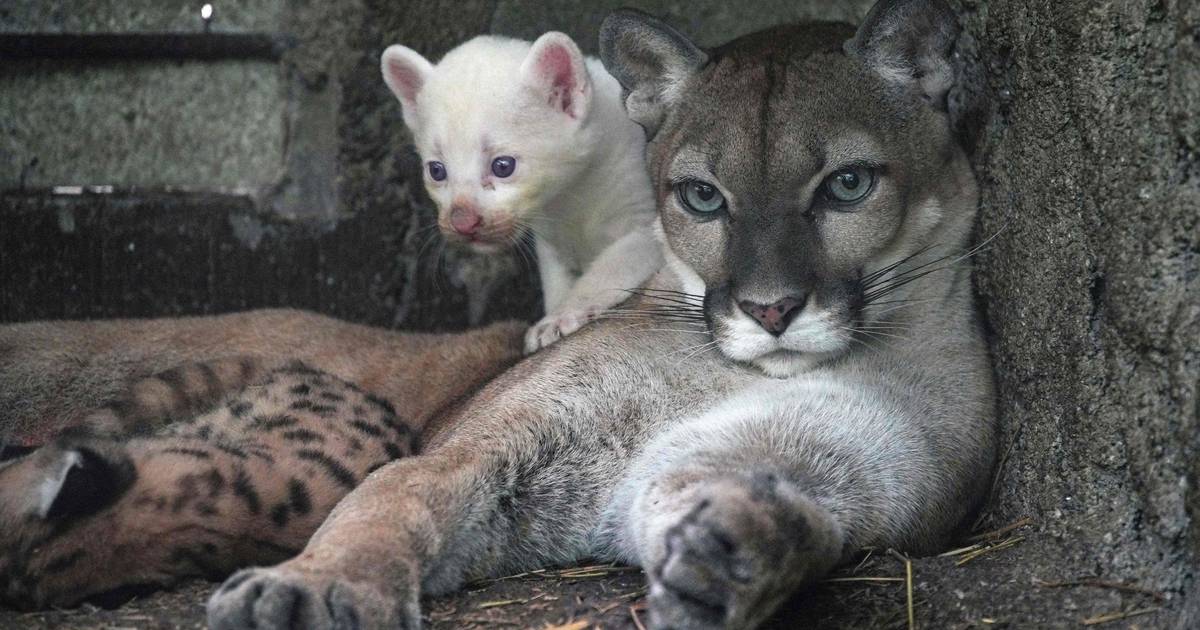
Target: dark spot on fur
298 367
187 491
244 489
212 383
239 408
175 381
323 410
231 450
215 482
304 436
298 497
332 396
359 410
190 452
262 453
270 423
394 450
206 509
336 470
376 466
381 403
246 369
366 427
204 432
279 514
392 422
300 390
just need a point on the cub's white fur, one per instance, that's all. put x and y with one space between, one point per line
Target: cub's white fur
579 184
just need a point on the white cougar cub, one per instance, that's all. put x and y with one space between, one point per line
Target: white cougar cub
520 137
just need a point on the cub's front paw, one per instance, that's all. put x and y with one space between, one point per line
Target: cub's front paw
745 545
281 599
557 325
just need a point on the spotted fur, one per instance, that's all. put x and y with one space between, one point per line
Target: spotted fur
215 465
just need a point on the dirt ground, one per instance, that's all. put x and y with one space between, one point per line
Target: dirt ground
1009 579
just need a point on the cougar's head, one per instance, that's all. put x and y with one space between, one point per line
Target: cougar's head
792 166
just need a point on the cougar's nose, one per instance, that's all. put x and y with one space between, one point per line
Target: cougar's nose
465 220
774 318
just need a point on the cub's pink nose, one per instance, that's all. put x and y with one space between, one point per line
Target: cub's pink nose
774 318
465 220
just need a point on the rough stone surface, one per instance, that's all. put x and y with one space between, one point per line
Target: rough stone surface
192 125
120 16
1091 189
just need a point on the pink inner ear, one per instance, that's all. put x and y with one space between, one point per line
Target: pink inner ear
555 65
407 78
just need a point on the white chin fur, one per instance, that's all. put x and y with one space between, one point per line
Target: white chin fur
812 338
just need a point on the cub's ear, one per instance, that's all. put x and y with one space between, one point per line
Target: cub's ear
651 60
555 70
79 481
405 72
908 43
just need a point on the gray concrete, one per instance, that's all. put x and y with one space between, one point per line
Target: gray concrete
121 16
215 126
1092 283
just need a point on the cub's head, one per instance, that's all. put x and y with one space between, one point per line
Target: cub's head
53 527
500 126
792 166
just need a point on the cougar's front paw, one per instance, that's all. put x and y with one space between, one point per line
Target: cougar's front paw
557 325
744 546
279 599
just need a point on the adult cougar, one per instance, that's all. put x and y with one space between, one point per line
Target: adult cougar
806 378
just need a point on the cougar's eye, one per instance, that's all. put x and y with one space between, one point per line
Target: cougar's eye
700 197
437 171
849 185
504 166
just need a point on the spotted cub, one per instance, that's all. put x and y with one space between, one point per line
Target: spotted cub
220 462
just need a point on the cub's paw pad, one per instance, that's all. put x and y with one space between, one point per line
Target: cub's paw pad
557 325
270 599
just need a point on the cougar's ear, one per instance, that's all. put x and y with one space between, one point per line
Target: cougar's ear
405 72
909 43
651 60
79 481
555 71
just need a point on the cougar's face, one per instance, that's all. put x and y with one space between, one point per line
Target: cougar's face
787 174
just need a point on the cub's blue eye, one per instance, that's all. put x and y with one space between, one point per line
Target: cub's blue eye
700 197
849 185
504 166
437 171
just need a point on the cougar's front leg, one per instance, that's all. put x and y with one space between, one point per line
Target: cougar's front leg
732 512
723 548
421 525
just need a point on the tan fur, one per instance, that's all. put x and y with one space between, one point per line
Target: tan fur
53 374
237 459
